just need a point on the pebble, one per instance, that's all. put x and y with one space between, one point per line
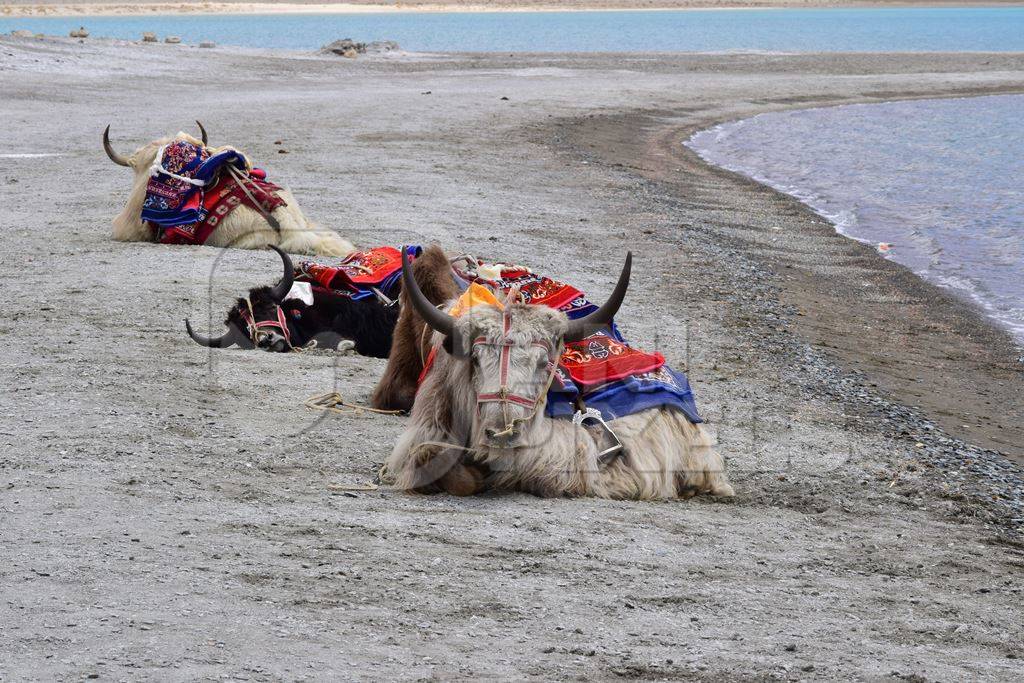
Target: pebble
172 40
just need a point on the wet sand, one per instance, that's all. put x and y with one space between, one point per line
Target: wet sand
167 512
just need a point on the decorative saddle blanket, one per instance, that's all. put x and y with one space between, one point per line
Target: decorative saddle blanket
190 192
603 370
360 273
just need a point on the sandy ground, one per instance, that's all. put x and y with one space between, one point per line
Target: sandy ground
165 512
102 7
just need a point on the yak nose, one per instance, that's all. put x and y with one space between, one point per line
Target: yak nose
504 437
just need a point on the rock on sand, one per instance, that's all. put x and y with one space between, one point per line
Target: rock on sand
347 47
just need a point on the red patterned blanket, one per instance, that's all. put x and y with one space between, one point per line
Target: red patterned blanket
218 202
360 273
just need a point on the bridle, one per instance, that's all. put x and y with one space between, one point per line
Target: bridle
504 396
254 327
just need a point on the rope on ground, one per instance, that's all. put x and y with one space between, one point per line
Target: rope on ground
337 404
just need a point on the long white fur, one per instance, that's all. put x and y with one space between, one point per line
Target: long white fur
244 228
666 455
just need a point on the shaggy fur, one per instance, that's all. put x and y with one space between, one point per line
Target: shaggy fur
397 386
244 228
446 445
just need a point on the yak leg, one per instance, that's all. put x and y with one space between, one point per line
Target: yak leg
442 469
703 468
422 462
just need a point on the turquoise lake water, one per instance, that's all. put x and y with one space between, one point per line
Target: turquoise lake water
939 183
832 30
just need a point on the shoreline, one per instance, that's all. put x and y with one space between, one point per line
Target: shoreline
966 295
967 331
865 541
161 7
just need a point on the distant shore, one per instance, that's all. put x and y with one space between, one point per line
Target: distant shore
19 8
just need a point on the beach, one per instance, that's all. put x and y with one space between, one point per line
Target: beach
172 513
142 7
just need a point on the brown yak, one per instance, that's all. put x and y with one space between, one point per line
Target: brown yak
411 341
478 420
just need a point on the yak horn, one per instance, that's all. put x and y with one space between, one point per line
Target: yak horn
584 327
280 291
114 156
203 132
439 321
221 342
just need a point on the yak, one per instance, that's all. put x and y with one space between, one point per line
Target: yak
269 319
478 421
366 325
243 227
396 388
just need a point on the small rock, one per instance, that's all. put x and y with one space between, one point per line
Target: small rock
345 47
207 44
22 33
79 32
149 37
172 40
282 151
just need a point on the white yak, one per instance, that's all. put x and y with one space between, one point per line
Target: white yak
478 419
243 228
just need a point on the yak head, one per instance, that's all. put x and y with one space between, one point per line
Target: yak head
262 320
143 157
511 354
128 225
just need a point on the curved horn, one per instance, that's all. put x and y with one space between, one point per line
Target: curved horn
221 342
203 132
114 156
280 291
578 329
437 320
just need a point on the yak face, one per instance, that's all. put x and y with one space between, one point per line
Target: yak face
511 353
261 319
268 324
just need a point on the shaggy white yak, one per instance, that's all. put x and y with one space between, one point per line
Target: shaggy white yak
244 228
466 434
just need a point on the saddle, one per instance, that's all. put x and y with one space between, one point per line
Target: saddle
602 371
362 274
192 189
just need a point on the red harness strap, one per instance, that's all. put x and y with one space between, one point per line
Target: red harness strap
504 396
281 323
